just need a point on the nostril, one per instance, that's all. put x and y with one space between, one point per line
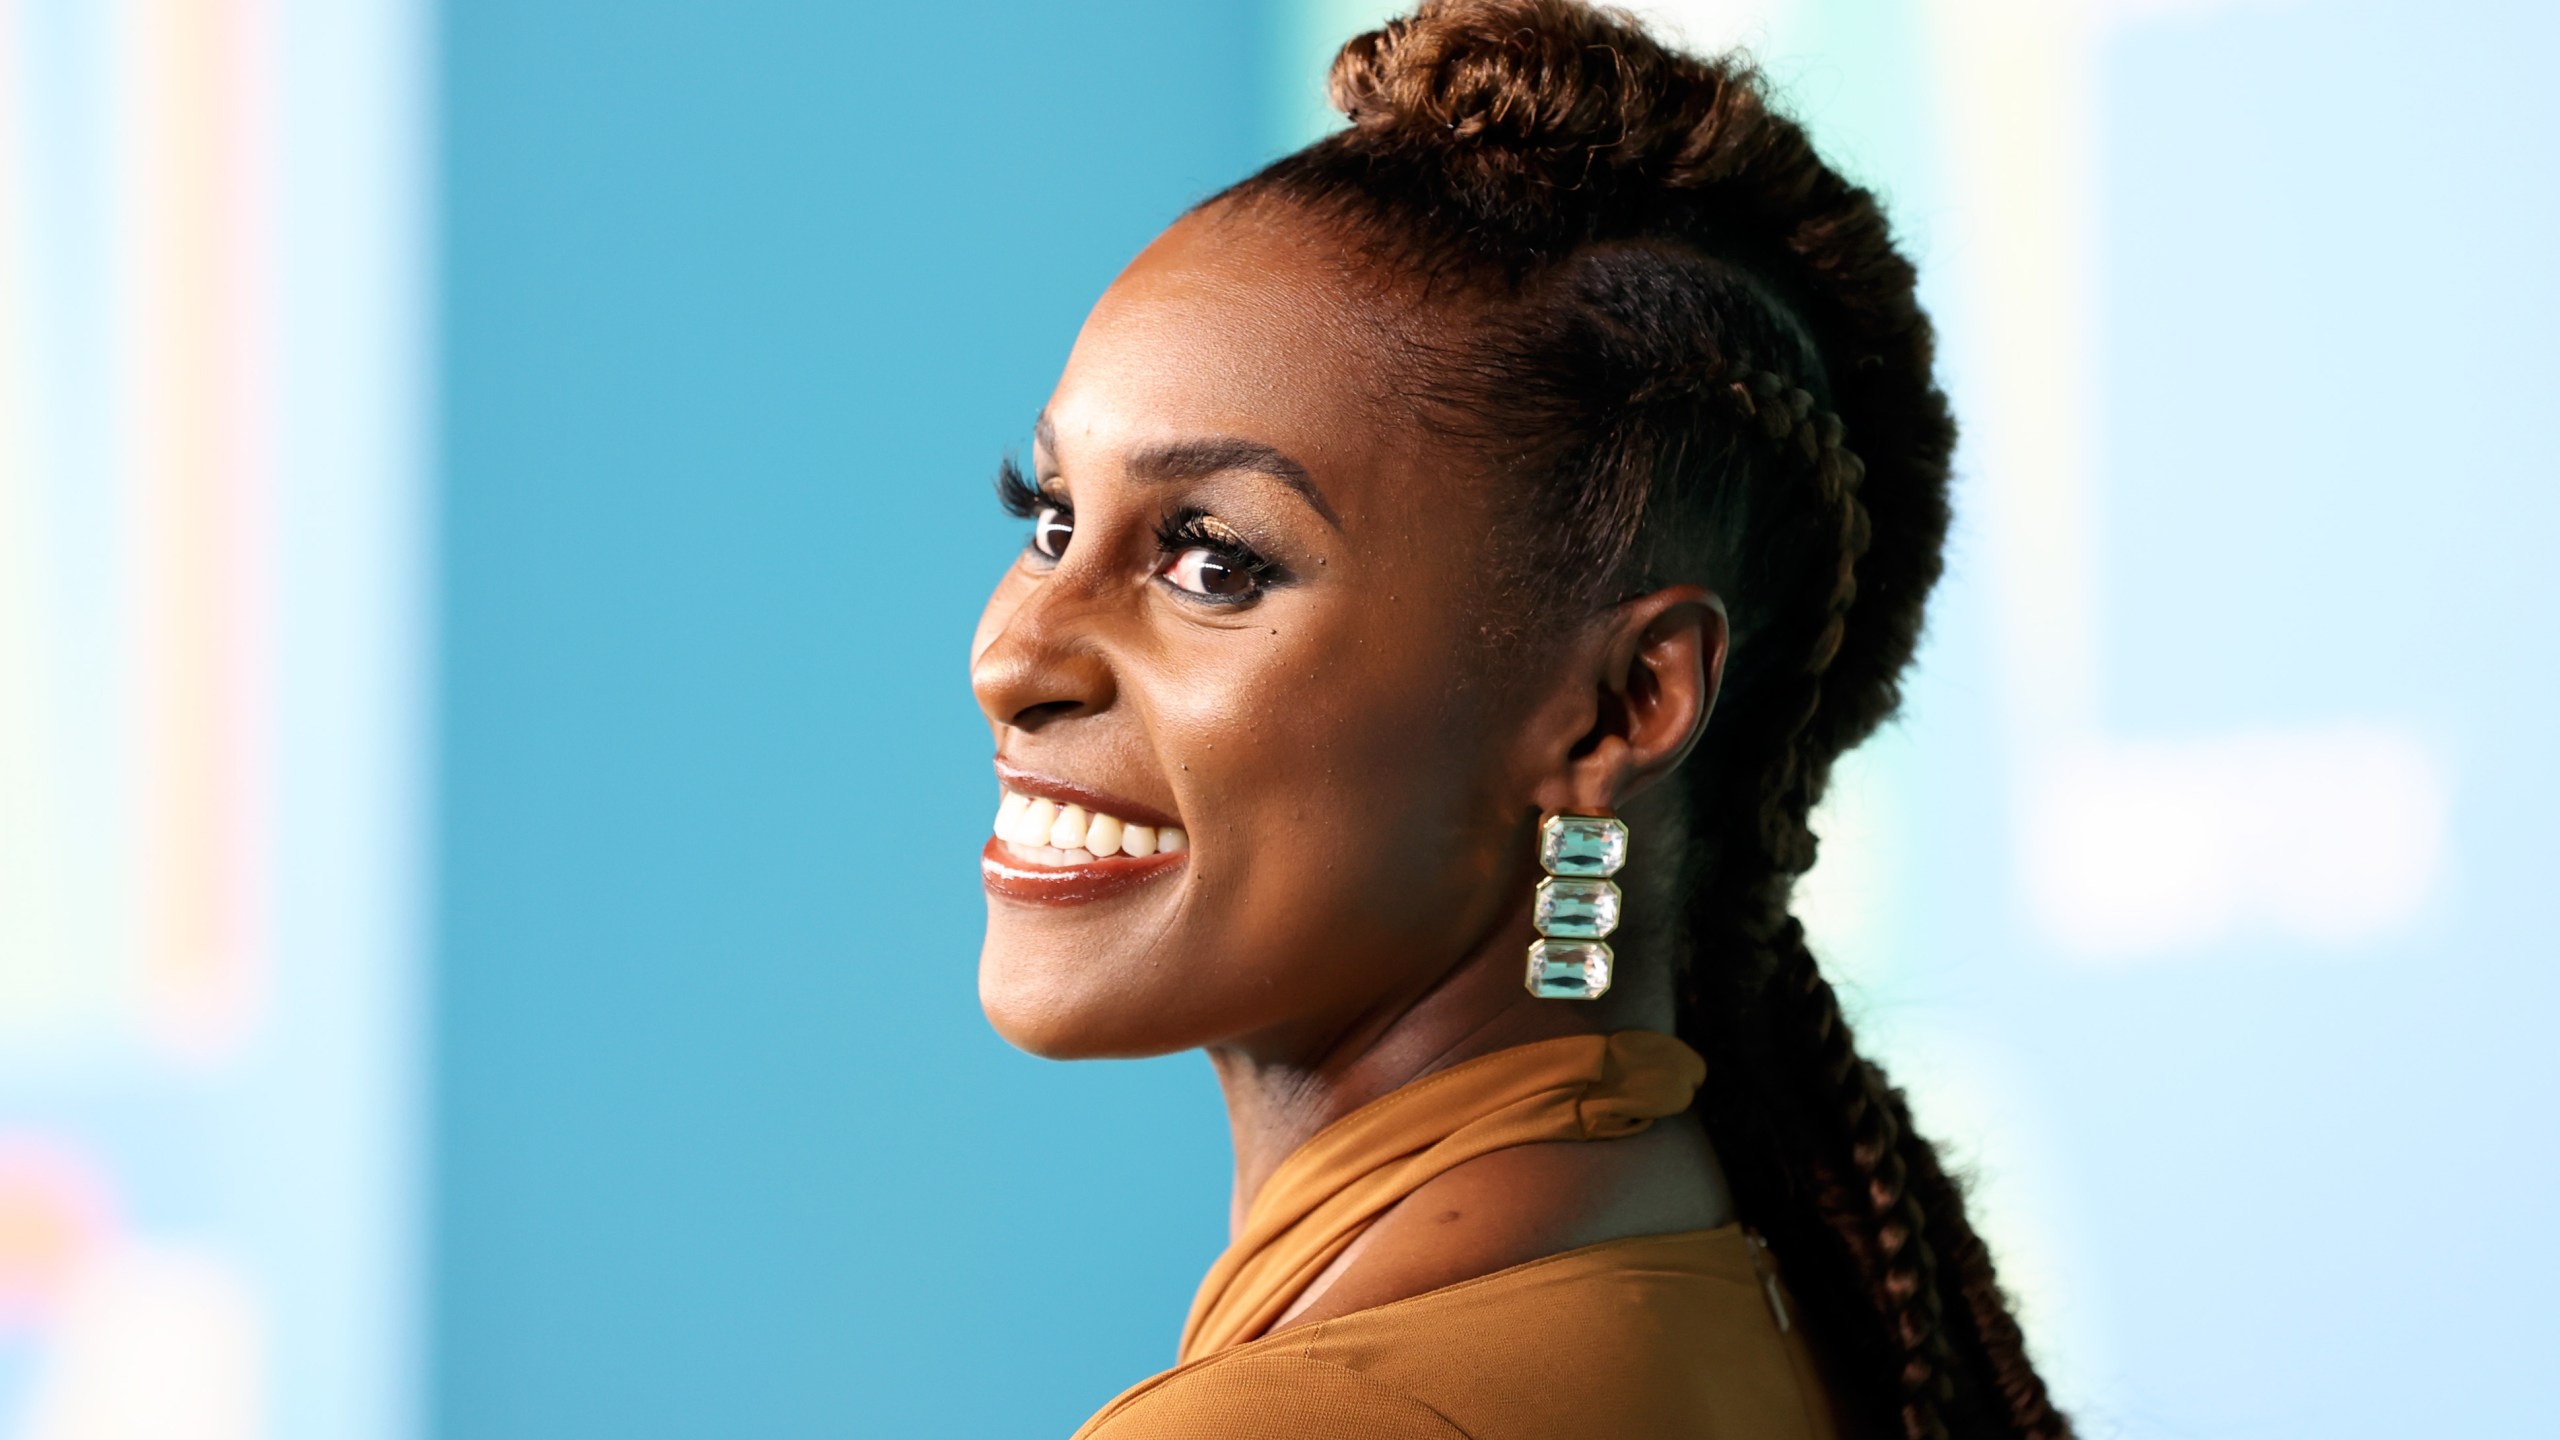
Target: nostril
1041 666
1032 717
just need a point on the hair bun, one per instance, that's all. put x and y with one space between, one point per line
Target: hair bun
1522 76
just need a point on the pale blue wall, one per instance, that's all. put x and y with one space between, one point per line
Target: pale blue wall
741 303
2316 1180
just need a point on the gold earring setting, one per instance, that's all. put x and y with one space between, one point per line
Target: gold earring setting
1577 906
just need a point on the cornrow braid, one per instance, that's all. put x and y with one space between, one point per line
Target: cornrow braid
1693 350
1872 1181
1861 1177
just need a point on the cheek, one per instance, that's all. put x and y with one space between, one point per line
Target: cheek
1347 806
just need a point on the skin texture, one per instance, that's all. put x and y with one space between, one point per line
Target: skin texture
1359 768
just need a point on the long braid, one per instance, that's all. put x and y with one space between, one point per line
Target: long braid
1986 1314
1878 1188
1691 319
1876 1185
1861 1177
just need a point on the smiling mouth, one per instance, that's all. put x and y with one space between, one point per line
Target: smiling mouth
1065 853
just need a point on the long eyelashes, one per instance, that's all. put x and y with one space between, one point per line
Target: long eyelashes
1020 498
1200 530
1053 521
1227 568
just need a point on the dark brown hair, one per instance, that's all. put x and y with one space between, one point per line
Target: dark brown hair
1694 347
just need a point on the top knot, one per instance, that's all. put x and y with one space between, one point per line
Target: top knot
1537 84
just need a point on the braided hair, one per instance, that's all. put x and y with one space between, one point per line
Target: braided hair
1695 352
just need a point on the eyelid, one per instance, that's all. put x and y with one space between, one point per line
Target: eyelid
1192 529
1219 530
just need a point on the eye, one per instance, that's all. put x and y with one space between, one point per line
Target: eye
1204 556
1051 529
1203 571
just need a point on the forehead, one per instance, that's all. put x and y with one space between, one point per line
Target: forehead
1245 326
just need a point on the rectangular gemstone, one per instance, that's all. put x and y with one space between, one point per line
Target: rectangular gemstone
1576 909
1584 846
1569 969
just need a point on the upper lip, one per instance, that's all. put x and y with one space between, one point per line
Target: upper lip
1063 792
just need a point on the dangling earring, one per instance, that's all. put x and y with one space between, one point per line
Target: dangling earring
1577 905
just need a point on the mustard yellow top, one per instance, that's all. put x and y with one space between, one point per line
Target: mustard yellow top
1682 1335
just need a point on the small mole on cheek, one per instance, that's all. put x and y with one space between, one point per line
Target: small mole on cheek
1448 1215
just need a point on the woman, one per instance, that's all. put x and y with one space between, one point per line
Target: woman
1555 445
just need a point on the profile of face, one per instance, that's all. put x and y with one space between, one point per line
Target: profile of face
1270 766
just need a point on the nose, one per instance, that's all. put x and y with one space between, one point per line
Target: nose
1042 663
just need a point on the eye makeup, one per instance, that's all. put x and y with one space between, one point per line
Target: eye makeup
1053 521
1205 558
1200 556
1020 498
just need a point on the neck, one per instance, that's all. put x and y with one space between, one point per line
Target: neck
1281 1090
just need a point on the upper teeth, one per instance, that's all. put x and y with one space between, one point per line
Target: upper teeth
1025 821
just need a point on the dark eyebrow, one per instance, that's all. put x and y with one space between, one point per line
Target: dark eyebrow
1191 459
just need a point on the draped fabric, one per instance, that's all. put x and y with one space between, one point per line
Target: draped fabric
1579 1087
1684 1336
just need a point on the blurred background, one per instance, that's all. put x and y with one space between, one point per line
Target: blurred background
492 504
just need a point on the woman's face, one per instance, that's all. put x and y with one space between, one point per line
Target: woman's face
1254 609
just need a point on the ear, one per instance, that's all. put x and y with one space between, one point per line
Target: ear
1639 687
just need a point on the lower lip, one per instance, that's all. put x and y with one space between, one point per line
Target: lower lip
1069 884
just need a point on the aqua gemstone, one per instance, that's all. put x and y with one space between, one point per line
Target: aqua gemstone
1584 846
1569 969
1576 909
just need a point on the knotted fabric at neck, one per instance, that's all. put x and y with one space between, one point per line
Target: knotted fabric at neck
1578 1087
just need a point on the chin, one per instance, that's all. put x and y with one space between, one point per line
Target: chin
1039 1012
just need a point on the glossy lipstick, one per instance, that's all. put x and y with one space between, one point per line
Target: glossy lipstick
1077 884
1059 843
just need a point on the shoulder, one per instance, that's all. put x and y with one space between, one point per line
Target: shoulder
1268 1397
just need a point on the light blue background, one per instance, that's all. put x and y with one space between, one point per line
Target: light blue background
2320 1185
740 303
634 374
